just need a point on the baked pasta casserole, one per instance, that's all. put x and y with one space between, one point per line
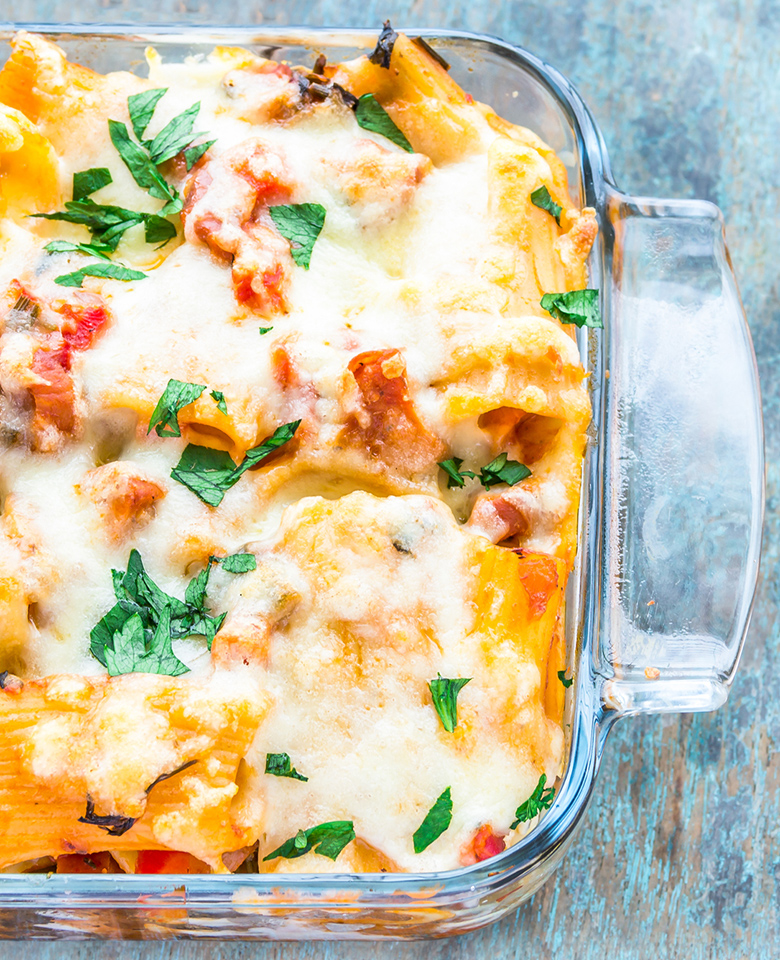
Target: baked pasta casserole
293 418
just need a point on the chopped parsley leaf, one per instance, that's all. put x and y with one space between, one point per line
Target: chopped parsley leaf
177 395
219 398
111 271
280 765
436 821
211 473
90 181
503 470
540 799
326 839
567 682
135 635
444 693
541 198
141 107
301 224
457 477
580 307
372 116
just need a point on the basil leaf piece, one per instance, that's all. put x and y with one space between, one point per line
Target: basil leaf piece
193 154
167 776
384 47
158 230
567 682
105 222
541 198
141 108
114 824
89 181
130 654
301 224
111 271
238 563
264 330
165 416
101 636
115 640
219 398
372 116
580 307
540 799
207 472
457 477
444 693
174 136
503 470
326 839
436 821
195 594
278 438
90 249
280 765
211 473
139 163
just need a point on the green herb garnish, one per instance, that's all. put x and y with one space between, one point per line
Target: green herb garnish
326 839
211 473
89 249
580 307
193 154
177 395
444 694
436 821
112 271
372 116
140 164
119 644
219 398
90 181
457 477
541 198
141 106
503 470
237 562
264 330
540 799
130 652
106 222
301 224
280 765
174 136
567 682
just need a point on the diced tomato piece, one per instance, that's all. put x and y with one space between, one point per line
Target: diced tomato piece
392 428
87 863
483 845
55 398
539 575
168 861
487 844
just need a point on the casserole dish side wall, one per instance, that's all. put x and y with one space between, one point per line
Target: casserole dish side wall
604 636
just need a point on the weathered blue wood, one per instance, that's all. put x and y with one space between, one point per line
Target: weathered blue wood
679 857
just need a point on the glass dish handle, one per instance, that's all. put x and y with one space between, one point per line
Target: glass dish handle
683 461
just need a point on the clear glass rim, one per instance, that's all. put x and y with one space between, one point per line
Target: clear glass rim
590 722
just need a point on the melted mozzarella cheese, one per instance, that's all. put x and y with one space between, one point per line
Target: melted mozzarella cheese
353 631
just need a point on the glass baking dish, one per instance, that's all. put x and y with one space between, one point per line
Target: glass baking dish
671 514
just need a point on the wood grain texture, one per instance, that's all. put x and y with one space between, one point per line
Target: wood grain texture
679 856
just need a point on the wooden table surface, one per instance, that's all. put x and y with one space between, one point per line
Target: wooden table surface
679 856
